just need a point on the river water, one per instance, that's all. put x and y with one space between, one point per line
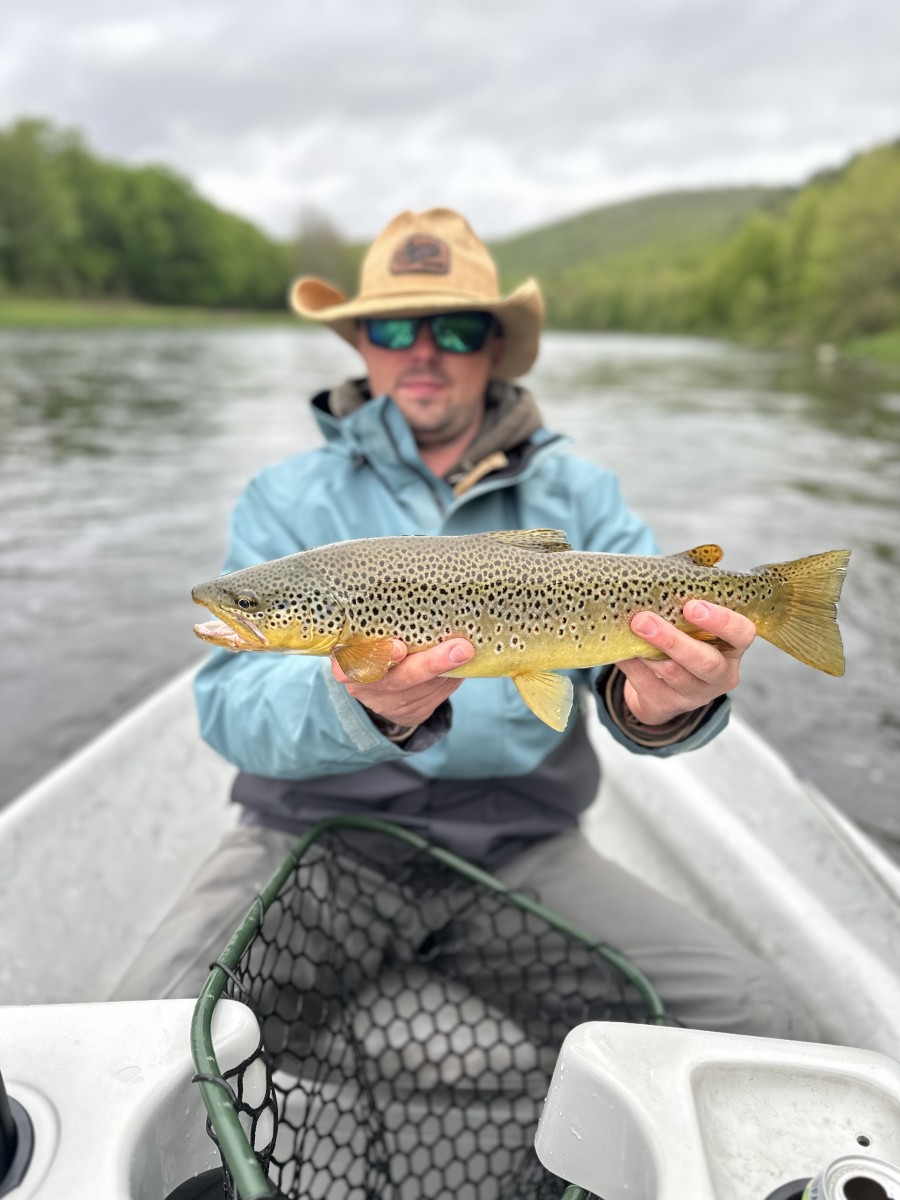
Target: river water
121 453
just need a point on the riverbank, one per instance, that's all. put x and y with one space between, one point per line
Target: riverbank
883 346
34 313
37 313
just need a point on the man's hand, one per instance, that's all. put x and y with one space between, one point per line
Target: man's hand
695 672
413 688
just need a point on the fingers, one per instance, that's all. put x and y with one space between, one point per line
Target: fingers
429 664
415 685
698 658
418 668
693 672
730 626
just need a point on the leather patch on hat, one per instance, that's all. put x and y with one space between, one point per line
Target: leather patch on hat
421 254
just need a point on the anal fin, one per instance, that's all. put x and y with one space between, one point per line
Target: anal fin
548 694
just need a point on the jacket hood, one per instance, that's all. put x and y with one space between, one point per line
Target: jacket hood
511 418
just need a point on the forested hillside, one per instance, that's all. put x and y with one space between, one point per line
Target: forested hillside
675 227
73 225
822 264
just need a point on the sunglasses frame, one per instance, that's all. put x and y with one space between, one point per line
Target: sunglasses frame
417 323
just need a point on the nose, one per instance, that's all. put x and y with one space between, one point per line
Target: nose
424 347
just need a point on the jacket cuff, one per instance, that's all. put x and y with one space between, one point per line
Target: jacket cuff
684 732
414 738
364 736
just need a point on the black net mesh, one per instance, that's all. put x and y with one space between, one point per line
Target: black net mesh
411 1020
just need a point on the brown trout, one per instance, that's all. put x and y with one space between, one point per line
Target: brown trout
529 603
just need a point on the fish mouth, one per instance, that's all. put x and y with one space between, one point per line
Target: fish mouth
229 630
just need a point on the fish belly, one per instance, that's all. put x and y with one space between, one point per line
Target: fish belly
515 653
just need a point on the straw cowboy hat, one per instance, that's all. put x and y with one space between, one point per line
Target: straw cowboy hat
423 263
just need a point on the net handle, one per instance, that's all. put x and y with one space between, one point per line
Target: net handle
235 1148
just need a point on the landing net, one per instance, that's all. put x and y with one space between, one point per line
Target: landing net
411 1010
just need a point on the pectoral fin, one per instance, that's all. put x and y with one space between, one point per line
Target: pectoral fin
364 660
548 694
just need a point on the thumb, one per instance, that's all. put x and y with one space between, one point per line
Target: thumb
449 655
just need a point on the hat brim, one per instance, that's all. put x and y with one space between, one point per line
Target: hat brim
520 313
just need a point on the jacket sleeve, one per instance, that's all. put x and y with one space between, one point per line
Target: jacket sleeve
612 528
280 715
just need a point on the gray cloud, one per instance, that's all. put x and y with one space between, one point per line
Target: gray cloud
513 112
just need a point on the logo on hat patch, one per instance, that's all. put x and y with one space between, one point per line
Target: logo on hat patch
421 254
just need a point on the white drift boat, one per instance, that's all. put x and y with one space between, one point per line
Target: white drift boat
92 857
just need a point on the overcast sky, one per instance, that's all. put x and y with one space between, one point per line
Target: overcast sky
513 112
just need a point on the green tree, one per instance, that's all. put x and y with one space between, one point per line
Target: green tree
854 256
38 214
72 223
319 249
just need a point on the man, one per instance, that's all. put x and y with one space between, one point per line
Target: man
437 439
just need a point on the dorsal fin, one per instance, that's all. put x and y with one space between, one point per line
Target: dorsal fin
703 556
543 541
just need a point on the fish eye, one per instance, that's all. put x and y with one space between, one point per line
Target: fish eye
246 602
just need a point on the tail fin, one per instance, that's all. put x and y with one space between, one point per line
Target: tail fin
808 628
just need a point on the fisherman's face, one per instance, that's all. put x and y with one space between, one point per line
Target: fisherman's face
440 394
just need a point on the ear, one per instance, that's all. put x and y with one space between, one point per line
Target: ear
497 347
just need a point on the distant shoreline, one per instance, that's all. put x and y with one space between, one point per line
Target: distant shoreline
34 313
885 347
19 312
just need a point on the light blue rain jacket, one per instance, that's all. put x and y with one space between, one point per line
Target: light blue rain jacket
284 716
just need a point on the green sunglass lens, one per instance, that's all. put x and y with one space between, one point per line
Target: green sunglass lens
397 333
461 333
457 333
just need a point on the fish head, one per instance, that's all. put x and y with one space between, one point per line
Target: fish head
280 605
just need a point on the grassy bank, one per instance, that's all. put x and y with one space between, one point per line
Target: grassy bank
21 313
882 346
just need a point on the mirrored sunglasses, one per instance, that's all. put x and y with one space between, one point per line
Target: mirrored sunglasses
457 333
